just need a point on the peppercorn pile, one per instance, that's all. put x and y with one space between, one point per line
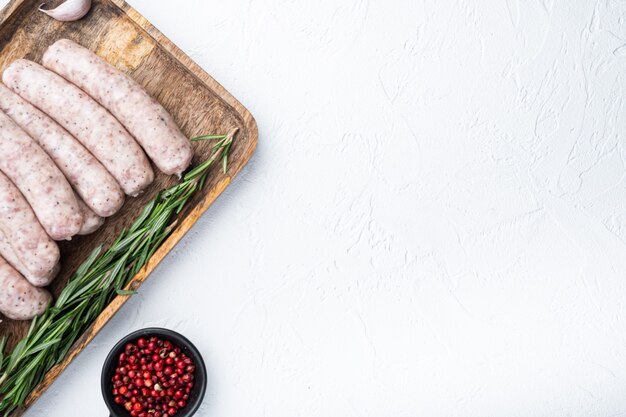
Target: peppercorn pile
153 378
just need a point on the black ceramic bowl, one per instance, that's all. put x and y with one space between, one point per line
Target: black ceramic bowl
200 376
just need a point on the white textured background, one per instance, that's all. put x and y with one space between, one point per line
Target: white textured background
433 224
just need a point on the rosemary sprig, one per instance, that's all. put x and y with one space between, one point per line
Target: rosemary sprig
100 277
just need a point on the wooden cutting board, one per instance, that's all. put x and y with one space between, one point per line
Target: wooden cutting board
119 34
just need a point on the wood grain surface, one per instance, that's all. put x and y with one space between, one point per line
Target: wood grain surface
119 34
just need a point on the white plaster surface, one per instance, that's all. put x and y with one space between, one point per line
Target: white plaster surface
433 224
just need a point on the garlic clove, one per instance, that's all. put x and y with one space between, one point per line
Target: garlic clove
68 11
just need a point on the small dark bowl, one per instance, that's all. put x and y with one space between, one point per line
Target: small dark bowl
200 375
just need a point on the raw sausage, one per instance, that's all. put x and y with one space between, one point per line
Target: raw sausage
89 122
91 221
40 181
8 253
92 182
143 116
19 300
35 255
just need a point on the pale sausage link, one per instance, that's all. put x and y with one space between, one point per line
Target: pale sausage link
19 300
38 255
144 117
40 181
91 221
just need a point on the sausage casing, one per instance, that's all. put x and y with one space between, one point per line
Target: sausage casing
144 117
40 181
38 255
19 300
91 221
